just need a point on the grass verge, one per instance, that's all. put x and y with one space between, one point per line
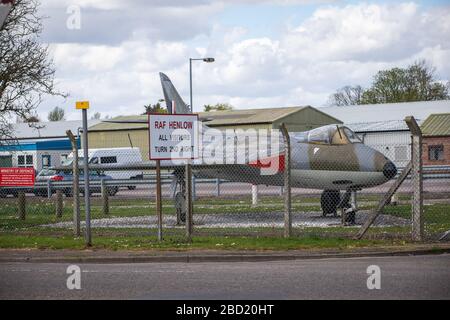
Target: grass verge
179 244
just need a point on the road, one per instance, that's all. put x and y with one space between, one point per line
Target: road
412 277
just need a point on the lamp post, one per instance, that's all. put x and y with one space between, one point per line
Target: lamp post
188 169
209 60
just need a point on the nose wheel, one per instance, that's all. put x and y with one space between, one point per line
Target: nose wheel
331 201
348 207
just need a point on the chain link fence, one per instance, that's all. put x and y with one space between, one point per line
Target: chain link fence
336 183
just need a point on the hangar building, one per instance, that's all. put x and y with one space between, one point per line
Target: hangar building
109 135
382 126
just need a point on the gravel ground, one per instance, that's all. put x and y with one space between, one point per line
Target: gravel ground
238 220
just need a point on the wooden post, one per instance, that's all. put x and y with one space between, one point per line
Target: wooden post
105 197
287 183
75 185
383 202
49 189
159 200
21 202
189 207
416 179
59 204
194 192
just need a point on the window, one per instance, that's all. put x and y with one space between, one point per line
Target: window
25 160
46 161
436 152
321 135
63 157
112 159
351 136
94 160
6 161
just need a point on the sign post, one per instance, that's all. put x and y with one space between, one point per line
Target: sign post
159 199
173 137
84 105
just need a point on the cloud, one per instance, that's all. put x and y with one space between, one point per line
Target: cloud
112 22
302 65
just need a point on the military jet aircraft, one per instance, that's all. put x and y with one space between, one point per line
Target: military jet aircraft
330 158
5 7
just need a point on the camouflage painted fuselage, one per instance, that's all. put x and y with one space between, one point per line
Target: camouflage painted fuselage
316 166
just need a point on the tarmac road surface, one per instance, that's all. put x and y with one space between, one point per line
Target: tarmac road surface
410 277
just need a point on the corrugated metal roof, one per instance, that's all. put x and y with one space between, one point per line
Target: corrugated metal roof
51 129
108 126
436 125
247 116
380 126
388 111
214 118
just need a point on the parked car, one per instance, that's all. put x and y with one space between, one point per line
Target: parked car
5 191
113 156
53 175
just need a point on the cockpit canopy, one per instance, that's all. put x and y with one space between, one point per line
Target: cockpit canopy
331 135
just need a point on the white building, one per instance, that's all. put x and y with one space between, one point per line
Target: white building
38 145
382 126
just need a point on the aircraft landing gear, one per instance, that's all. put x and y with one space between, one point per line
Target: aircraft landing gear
348 206
179 197
329 202
180 206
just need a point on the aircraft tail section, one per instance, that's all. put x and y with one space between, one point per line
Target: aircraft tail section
174 102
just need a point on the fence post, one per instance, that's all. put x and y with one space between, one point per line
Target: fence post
75 185
194 193
287 182
49 189
416 179
21 205
59 203
105 197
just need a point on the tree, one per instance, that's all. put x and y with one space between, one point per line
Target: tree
417 82
96 116
32 119
155 108
26 72
218 107
347 96
57 114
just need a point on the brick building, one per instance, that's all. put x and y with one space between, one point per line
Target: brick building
436 139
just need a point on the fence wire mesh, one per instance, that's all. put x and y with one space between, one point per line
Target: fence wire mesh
337 182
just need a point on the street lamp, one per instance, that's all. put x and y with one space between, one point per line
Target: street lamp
209 60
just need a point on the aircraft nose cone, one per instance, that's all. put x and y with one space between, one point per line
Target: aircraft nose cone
389 170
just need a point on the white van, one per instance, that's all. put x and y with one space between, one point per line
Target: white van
119 156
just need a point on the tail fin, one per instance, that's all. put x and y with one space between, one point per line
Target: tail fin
172 97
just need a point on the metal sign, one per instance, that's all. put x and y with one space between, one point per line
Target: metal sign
16 177
82 105
173 136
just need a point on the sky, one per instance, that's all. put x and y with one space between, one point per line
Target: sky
267 53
